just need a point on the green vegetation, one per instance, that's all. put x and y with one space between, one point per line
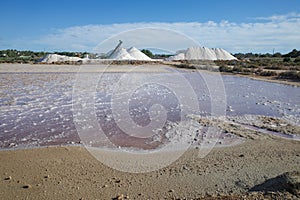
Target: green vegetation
267 73
293 54
15 56
155 56
292 75
291 69
297 60
74 54
265 65
148 53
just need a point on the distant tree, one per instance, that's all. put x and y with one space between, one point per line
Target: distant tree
277 55
148 53
161 56
293 54
239 55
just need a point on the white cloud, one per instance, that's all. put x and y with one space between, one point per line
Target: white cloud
287 17
280 32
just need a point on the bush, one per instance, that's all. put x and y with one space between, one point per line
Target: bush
297 68
237 69
277 55
225 69
253 66
275 67
267 73
287 59
297 60
293 75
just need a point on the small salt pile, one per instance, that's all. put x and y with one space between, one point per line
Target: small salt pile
50 58
129 54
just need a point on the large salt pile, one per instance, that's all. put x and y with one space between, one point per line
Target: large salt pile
223 55
50 58
121 54
202 53
137 54
128 54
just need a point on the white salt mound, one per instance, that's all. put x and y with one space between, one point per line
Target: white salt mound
58 58
129 54
223 55
121 54
179 56
137 54
202 53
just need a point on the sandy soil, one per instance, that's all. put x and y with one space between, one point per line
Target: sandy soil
72 173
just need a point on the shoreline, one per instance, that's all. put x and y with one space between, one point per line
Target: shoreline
270 79
245 127
258 78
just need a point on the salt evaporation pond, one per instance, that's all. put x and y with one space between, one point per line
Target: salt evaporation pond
36 108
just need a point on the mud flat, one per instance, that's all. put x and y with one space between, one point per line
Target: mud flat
72 173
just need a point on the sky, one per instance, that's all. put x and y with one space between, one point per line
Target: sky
259 26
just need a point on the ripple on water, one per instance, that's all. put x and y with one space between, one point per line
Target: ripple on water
36 109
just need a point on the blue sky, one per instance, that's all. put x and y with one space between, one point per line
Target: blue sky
237 26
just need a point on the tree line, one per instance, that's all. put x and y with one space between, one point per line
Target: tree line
293 54
26 56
